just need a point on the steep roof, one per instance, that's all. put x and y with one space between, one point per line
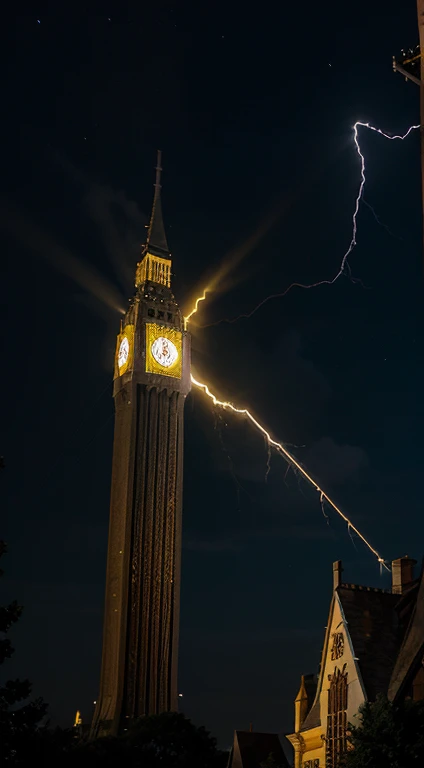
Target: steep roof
312 716
250 749
412 649
156 238
373 626
310 682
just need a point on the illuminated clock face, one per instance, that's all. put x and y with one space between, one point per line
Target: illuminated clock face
123 352
164 352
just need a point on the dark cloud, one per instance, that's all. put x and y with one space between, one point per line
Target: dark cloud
303 371
210 545
333 463
226 638
236 447
121 225
238 540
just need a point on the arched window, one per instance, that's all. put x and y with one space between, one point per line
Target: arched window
337 717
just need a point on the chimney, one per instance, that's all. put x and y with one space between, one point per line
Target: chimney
337 574
402 574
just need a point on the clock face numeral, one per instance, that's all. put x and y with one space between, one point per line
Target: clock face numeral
123 352
164 351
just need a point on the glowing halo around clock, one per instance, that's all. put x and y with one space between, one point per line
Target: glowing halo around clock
123 352
164 352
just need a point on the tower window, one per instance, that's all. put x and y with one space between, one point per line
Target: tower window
151 312
170 317
161 314
337 717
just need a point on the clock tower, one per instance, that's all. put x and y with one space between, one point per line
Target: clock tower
142 603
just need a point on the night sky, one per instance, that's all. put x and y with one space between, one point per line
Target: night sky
253 108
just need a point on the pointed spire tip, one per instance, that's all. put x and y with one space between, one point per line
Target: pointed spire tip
156 238
158 171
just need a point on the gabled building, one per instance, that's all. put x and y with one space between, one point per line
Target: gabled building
374 643
252 749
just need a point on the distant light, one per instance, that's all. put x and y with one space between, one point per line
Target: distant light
38 21
180 695
94 702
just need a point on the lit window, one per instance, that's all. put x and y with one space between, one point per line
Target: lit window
337 717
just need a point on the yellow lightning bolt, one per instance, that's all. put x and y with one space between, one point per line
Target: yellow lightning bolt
284 452
195 307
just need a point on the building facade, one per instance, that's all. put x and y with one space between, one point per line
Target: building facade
151 381
374 643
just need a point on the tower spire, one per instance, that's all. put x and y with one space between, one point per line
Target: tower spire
156 243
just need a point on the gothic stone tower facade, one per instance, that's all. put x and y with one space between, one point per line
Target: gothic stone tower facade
151 381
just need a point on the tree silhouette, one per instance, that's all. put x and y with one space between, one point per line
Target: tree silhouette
271 762
19 719
169 740
388 736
